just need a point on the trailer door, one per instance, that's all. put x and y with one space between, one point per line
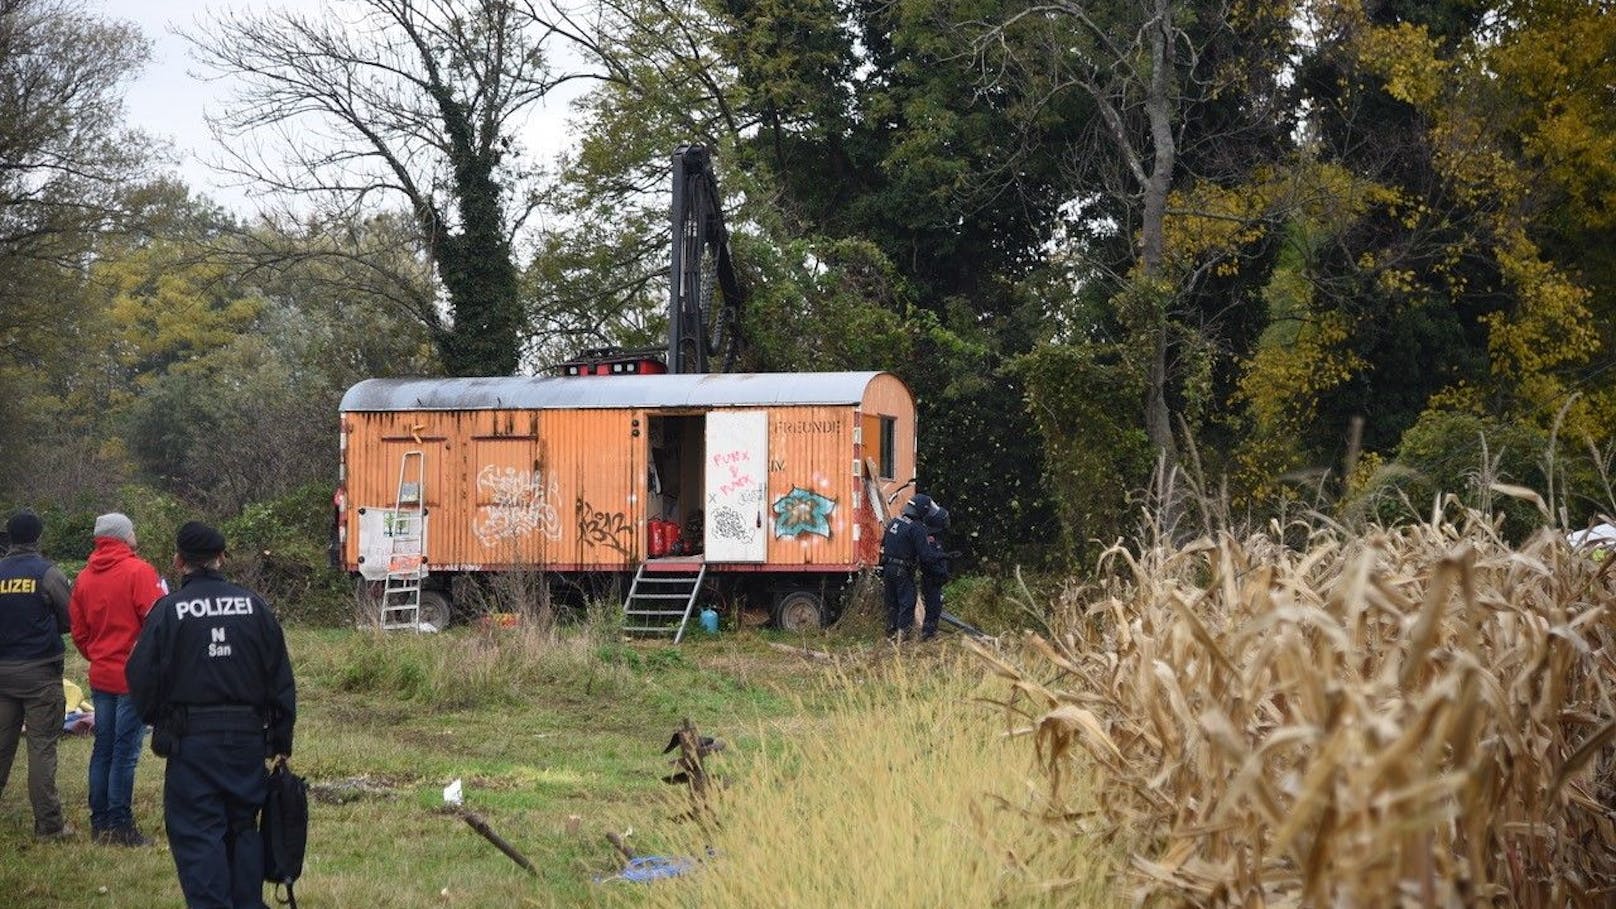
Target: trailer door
736 474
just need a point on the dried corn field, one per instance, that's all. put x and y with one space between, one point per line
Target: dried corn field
1417 715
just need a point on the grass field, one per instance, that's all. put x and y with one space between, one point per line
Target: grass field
558 741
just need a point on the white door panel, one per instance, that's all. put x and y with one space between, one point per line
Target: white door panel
736 474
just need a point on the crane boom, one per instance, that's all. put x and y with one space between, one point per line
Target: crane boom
697 335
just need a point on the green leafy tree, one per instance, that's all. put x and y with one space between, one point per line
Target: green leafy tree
1170 83
1427 286
66 160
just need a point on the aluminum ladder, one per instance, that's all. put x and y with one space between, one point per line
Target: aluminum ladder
661 600
406 560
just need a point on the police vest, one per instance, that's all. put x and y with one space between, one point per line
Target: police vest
27 621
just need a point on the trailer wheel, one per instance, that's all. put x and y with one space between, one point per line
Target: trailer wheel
435 606
435 610
800 610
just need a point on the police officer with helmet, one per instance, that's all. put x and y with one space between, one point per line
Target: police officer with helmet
903 549
932 579
211 674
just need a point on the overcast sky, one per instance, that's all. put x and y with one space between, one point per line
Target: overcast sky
168 102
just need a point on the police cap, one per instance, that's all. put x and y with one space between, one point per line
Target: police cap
24 528
197 540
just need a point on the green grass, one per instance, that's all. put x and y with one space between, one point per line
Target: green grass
537 730
557 739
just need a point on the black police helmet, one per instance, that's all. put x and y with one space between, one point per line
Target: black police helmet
937 518
920 506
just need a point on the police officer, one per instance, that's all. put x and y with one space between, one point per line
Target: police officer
932 579
211 674
903 548
33 617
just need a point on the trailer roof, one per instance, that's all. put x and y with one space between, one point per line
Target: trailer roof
673 391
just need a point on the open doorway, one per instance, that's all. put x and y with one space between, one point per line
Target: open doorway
675 487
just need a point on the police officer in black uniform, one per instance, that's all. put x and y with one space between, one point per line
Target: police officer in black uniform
932 579
903 548
33 618
211 674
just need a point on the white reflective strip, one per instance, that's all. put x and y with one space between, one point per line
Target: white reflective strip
858 468
856 529
855 500
858 435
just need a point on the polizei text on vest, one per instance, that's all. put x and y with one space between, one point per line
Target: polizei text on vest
209 607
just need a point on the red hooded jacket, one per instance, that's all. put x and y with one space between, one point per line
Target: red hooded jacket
111 598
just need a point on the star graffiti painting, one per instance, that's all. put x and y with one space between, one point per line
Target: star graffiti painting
802 511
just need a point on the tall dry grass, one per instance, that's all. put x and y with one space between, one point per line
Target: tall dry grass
1419 715
460 670
903 794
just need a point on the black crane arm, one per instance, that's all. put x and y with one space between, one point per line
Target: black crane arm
697 336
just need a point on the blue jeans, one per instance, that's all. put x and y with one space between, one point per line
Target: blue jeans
118 736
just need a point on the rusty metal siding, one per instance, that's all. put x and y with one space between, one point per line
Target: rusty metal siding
565 493
376 446
886 395
597 460
506 512
809 503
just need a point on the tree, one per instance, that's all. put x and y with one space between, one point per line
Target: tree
411 101
64 154
1168 80
66 161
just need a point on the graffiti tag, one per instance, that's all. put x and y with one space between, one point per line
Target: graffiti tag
610 529
520 505
740 472
817 427
728 523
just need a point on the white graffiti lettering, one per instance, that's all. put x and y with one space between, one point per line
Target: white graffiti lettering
521 505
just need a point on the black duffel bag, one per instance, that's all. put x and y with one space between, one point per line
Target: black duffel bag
283 824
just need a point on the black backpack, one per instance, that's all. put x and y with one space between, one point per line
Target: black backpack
284 827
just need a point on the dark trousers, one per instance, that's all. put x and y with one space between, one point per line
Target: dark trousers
32 693
931 591
212 790
899 588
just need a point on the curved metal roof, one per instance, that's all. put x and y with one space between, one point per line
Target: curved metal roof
541 393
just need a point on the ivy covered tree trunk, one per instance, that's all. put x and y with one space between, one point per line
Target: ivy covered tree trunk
476 269
428 96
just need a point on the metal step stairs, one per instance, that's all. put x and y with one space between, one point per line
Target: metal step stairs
661 599
406 560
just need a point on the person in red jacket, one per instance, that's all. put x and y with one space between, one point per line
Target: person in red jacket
111 598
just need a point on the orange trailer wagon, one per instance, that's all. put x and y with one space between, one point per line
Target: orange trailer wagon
769 485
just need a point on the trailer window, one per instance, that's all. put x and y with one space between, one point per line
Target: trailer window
889 447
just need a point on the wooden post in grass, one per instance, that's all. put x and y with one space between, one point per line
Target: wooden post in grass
476 822
691 771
